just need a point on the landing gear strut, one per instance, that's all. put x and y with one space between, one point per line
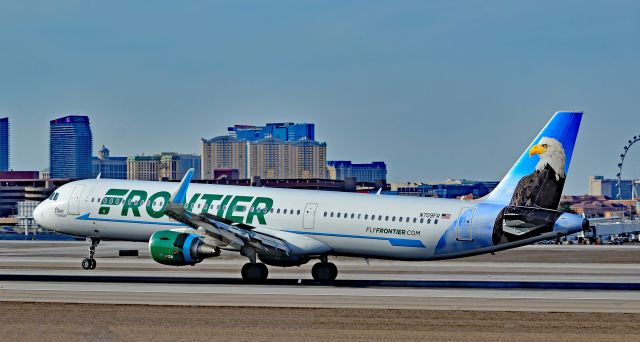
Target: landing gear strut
90 263
324 271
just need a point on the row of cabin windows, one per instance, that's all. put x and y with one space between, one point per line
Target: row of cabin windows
378 217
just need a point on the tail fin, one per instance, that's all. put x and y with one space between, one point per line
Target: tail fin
537 178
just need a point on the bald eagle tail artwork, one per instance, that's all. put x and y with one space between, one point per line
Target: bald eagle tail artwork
531 190
537 178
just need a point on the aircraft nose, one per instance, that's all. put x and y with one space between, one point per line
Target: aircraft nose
38 214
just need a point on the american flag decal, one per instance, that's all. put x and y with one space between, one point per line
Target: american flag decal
445 216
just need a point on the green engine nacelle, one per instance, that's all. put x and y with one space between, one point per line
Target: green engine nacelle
179 249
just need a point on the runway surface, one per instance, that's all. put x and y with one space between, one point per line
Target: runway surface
50 272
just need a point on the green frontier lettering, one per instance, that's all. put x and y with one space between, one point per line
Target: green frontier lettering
223 206
229 206
192 202
159 213
135 199
208 199
261 207
234 206
112 197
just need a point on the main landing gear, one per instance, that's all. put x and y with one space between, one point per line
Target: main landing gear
90 263
324 271
253 272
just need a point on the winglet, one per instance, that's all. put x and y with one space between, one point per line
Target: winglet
179 197
99 175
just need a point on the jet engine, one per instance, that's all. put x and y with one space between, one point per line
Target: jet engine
179 249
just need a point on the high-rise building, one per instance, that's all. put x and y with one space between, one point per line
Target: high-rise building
109 167
70 147
268 158
163 166
371 172
4 144
600 186
273 151
174 166
273 158
285 131
224 152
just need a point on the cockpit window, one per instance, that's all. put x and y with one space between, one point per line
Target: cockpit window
53 196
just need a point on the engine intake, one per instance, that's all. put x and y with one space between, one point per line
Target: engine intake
179 249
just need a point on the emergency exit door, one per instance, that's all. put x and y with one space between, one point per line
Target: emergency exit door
309 218
74 200
464 229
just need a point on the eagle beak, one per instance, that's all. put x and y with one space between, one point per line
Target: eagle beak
537 149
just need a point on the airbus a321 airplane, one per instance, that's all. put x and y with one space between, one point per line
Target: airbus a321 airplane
187 223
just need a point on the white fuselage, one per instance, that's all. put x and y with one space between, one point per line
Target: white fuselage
368 225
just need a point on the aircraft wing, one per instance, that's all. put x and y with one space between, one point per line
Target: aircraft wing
261 240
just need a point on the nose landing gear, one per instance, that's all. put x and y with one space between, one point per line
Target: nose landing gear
90 263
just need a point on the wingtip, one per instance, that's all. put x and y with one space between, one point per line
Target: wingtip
180 195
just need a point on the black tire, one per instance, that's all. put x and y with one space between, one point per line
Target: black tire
93 264
86 263
324 272
254 273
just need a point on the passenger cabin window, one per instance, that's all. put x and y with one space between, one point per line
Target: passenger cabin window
414 220
421 220
325 214
366 216
435 221
338 216
332 214
400 219
428 221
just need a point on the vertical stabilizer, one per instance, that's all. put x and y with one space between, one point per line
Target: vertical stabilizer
537 178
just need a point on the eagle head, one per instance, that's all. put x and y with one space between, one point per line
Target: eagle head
551 153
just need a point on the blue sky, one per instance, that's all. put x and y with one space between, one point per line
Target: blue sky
437 89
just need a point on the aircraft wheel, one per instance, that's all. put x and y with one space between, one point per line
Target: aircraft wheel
93 264
324 271
254 272
86 263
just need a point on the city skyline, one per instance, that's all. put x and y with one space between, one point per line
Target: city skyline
433 91
630 164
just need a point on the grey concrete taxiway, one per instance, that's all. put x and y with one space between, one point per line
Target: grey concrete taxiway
50 272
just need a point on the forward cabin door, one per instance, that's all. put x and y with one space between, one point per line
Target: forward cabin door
464 227
74 200
309 218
